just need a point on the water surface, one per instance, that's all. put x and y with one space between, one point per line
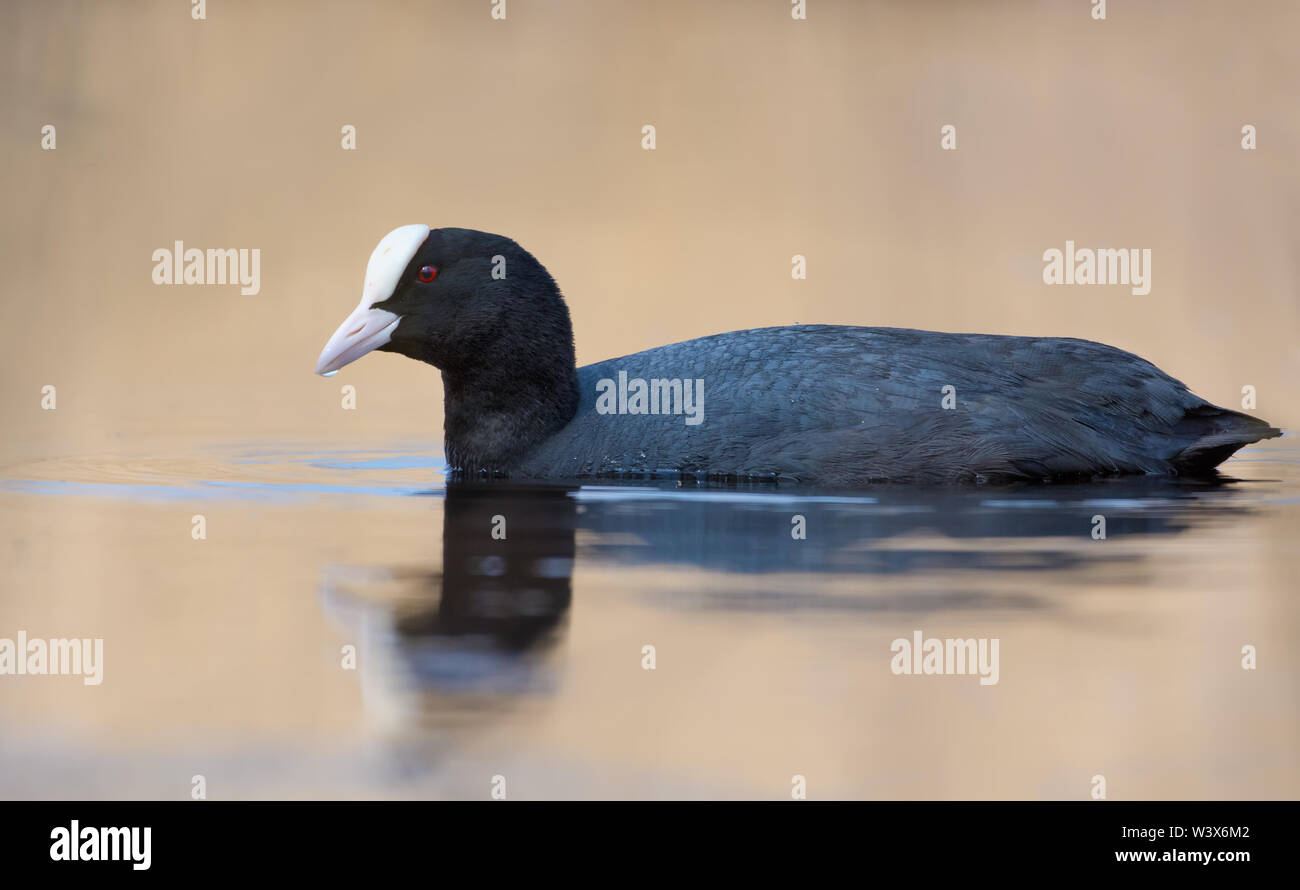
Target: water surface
500 631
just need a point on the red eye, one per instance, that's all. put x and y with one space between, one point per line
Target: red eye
427 274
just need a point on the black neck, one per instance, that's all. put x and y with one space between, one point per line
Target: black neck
500 409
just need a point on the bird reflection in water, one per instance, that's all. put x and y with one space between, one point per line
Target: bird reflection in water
479 632
486 625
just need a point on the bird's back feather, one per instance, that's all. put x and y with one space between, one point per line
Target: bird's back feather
852 405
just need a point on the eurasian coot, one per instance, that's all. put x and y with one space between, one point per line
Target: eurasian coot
821 404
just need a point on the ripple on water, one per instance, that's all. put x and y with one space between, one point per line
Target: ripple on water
266 473
271 471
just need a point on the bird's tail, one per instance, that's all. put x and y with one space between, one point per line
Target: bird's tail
1213 434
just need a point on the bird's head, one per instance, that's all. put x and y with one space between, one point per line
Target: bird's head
462 300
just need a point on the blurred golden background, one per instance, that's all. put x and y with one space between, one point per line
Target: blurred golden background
775 137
